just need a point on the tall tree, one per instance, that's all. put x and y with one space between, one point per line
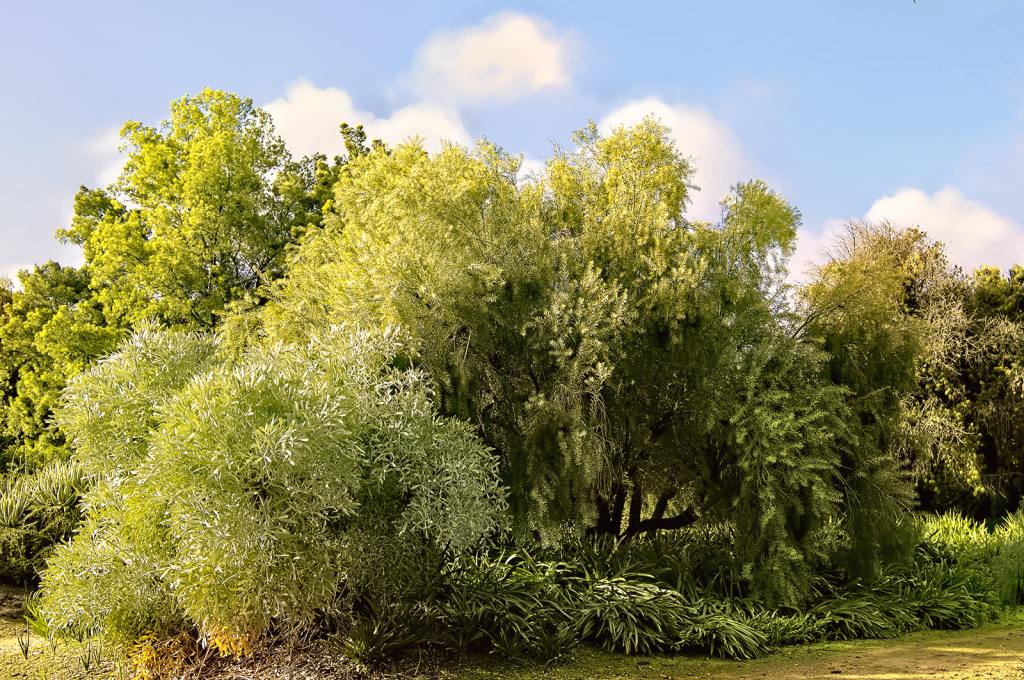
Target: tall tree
199 220
634 370
882 311
961 406
206 226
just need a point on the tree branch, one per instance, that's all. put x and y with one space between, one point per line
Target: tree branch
685 518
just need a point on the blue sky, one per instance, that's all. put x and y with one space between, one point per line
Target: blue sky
879 108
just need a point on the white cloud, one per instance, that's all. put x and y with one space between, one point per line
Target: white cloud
810 249
531 167
11 269
506 57
427 119
102 151
718 157
975 235
308 118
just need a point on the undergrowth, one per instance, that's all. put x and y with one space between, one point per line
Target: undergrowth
671 594
38 511
679 594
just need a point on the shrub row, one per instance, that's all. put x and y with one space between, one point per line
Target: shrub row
517 606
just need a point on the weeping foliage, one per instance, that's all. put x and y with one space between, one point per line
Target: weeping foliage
876 310
232 493
633 369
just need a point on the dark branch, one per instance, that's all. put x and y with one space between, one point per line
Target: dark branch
683 519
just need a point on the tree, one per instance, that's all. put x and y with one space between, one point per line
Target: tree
51 330
883 310
959 405
634 370
198 221
8 375
206 228
990 387
307 187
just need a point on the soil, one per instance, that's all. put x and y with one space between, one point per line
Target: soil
994 651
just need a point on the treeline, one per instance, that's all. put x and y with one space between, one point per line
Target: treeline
291 391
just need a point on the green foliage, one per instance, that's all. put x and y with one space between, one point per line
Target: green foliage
884 309
382 632
542 309
630 617
37 512
307 188
1008 563
995 296
198 221
901 323
991 394
702 465
206 227
230 487
617 595
513 604
49 331
996 555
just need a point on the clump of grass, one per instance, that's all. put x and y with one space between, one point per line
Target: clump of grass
952 539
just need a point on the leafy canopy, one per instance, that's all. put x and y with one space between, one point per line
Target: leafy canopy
205 225
634 370
198 221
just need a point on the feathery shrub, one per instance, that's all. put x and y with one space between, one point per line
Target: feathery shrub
236 493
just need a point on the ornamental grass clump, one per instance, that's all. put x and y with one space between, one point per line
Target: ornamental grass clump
38 511
1008 563
232 489
996 556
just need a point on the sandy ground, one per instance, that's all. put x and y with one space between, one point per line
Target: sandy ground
994 652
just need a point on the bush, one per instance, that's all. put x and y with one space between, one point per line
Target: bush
38 512
512 602
234 491
997 555
676 593
1008 562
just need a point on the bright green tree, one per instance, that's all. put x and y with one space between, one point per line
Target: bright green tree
206 228
214 201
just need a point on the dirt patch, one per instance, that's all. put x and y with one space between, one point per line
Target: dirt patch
12 601
974 654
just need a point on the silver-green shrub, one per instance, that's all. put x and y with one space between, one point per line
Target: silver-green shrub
232 489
